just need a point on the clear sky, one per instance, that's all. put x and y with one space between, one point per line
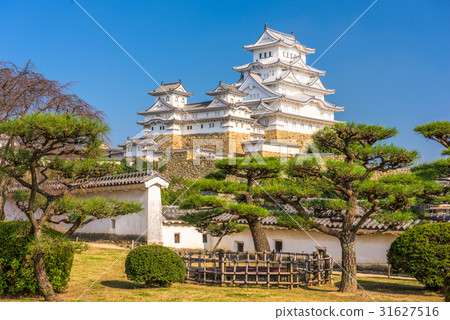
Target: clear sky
390 68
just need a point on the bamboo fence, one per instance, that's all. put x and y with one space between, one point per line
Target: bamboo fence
269 269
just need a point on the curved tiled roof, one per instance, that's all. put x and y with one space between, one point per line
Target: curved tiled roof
122 179
172 215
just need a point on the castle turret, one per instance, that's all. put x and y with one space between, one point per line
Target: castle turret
173 93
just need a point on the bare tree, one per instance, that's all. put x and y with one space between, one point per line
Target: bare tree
23 90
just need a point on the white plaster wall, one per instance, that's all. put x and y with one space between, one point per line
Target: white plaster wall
369 248
189 237
154 210
280 149
133 224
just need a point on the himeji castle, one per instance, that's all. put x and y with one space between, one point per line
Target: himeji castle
274 107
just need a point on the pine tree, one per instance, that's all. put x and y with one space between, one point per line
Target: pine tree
240 203
48 156
349 188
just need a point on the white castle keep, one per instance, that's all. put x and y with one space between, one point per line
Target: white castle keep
274 107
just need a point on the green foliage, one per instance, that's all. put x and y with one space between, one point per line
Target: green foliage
63 146
154 266
136 165
16 258
46 128
424 253
217 175
430 171
251 169
98 207
438 131
178 190
346 136
214 197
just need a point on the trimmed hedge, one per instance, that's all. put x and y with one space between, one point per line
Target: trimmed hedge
154 266
424 253
16 258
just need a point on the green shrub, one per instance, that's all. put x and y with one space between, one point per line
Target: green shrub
154 266
424 253
16 258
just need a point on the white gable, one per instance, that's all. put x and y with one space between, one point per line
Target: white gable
217 102
254 89
159 106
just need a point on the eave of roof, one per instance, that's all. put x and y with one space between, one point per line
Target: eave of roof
172 215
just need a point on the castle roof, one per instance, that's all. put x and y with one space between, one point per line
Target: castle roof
226 88
290 78
296 63
169 88
272 37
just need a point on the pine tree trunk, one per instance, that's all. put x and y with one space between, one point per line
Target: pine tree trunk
259 236
2 200
44 284
348 277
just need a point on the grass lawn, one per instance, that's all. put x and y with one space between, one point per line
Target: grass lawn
114 286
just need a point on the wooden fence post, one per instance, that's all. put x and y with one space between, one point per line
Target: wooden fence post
222 267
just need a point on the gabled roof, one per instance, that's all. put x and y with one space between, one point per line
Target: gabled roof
296 63
154 108
272 37
226 88
257 79
289 77
170 87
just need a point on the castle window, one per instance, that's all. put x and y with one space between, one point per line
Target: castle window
265 54
260 55
278 245
167 98
113 223
176 237
201 126
239 246
270 53
205 238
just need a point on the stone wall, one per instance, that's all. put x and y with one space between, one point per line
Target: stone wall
231 141
182 165
289 137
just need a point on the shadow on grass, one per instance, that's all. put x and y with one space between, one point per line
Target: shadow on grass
393 288
374 286
117 284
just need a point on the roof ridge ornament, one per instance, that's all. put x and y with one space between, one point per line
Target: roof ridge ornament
265 26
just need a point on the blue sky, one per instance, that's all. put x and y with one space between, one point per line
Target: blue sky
391 68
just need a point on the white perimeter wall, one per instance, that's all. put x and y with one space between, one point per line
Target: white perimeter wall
370 249
189 237
133 224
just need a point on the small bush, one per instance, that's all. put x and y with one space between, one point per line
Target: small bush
154 266
424 253
16 258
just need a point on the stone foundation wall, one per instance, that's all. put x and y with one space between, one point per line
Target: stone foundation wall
231 141
183 165
301 139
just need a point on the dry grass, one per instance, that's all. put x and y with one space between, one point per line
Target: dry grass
114 286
